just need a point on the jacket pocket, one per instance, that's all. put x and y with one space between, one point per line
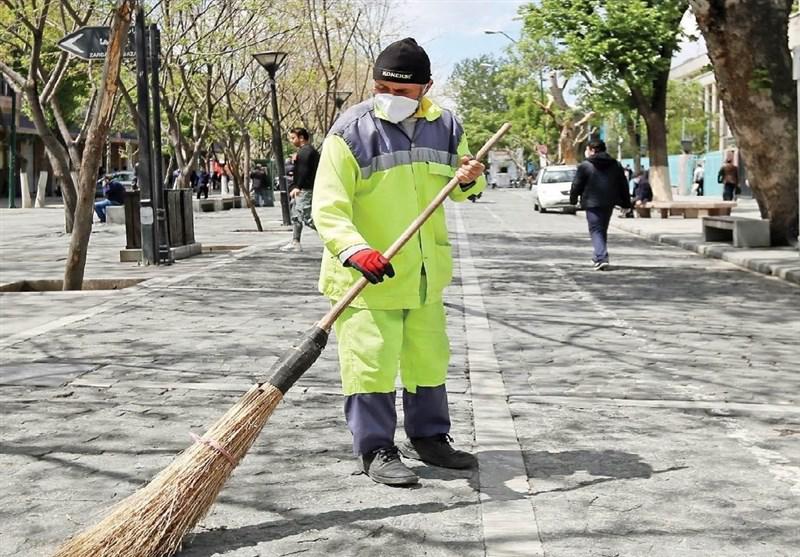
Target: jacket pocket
443 274
439 169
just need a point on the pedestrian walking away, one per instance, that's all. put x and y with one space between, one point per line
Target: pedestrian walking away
113 193
599 184
306 161
203 180
644 191
728 176
383 161
699 178
261 187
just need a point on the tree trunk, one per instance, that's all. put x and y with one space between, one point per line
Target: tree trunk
41 185
748 47
95 142
70 196
634 138
659 159
566 143
246 186
56 153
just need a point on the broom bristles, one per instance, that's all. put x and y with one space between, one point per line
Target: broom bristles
153 521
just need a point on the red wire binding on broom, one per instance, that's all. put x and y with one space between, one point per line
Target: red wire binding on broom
214 445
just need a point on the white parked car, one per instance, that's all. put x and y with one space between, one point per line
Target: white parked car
551 188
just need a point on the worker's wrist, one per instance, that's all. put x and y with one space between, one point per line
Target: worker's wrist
349 252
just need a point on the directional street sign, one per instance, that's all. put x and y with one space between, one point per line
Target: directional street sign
91 43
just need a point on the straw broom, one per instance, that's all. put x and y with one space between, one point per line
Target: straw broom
153 521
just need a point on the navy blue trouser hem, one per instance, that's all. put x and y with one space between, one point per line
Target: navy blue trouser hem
372 418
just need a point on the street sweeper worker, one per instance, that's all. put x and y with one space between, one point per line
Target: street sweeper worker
382 163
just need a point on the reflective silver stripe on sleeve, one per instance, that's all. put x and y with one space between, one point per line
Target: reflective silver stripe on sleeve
398 158
346 254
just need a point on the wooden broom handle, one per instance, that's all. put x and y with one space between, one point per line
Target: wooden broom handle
327 321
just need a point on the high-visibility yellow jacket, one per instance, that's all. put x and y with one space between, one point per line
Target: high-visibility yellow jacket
373 180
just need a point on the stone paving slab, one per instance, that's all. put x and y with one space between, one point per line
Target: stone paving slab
711 466
169 363
33 243
652 405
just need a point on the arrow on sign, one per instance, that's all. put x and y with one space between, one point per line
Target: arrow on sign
91 43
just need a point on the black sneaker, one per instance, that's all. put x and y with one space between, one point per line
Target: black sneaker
385 467
437 450
601 265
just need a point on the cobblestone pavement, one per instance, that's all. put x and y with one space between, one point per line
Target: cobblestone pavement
654 406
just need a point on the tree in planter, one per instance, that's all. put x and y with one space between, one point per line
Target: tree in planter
748 46
623 40
102 114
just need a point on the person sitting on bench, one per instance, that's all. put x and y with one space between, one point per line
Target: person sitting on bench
114 193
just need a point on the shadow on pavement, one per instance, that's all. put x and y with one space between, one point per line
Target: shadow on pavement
604 465
208 543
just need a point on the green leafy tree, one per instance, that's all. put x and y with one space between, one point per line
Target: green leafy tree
686 116
620 40
490 90
477 85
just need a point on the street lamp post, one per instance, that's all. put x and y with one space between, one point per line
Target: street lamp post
12 151
796 75
271 61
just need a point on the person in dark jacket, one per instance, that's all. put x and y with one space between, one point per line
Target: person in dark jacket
306 161
600 184
203 180
644 192
114 194
729 177
261 187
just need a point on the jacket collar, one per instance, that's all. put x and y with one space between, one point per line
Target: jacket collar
428 110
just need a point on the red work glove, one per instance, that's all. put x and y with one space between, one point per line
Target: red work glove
371 264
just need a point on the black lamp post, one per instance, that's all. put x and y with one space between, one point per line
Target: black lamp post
271 61
12 151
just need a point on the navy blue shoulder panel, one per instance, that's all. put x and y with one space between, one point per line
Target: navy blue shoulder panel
442 134
370 138
357 128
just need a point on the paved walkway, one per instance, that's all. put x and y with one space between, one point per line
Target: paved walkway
651 410
781 262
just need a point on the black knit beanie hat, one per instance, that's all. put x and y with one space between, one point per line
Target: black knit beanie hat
403 61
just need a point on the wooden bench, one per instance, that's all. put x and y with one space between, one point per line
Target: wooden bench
743 232
686 209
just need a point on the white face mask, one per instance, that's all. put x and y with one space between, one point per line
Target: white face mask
394 107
